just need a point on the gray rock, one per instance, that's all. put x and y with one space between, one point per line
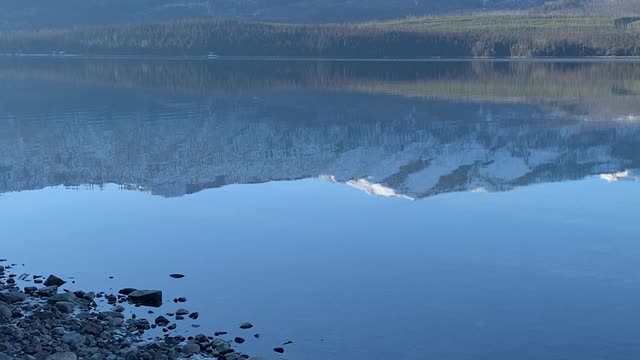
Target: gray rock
92 329
110 314
74 338
191 349
146 297
182 312
12 297
63 356
5 313
47 291
53 280
68 297
65 307
246 326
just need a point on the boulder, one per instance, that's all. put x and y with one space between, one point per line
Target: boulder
53 280
151 298
47 291
65 307
12 297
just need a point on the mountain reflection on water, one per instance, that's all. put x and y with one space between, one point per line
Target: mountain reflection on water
408 130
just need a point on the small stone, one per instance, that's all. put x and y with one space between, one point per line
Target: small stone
177 276
182 312
279 350
53 280
162 321
194 315
246 326
239 340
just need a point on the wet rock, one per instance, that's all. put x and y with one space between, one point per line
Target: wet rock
146 297
182 312
279 350
161 321
53 280
126 291
239 340
30 290
47 291
246 326
194 315
177 276
65 297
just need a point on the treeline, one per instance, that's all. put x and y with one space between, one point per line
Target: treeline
415 40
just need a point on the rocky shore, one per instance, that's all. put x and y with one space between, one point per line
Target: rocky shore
47 322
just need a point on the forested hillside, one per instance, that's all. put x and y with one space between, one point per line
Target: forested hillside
35 14
458 36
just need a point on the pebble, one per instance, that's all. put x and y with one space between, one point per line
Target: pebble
246 326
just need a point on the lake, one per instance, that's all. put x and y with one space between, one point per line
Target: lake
362 210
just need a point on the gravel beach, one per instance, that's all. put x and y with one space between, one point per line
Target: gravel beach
44 321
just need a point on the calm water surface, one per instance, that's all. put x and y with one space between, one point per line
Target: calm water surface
469 210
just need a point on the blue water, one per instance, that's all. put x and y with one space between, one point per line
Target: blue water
501 234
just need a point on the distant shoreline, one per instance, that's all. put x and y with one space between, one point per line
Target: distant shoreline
548 59
490 36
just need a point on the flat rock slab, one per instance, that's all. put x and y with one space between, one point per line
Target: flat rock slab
151 298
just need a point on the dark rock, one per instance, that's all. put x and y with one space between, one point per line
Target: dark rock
53 280
126 291
279 350
182 312
30 290
67 297
162 321
177 276
288 343
194 315
47 291
65 307
146 297
92 329
239 340
220 333
246 326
